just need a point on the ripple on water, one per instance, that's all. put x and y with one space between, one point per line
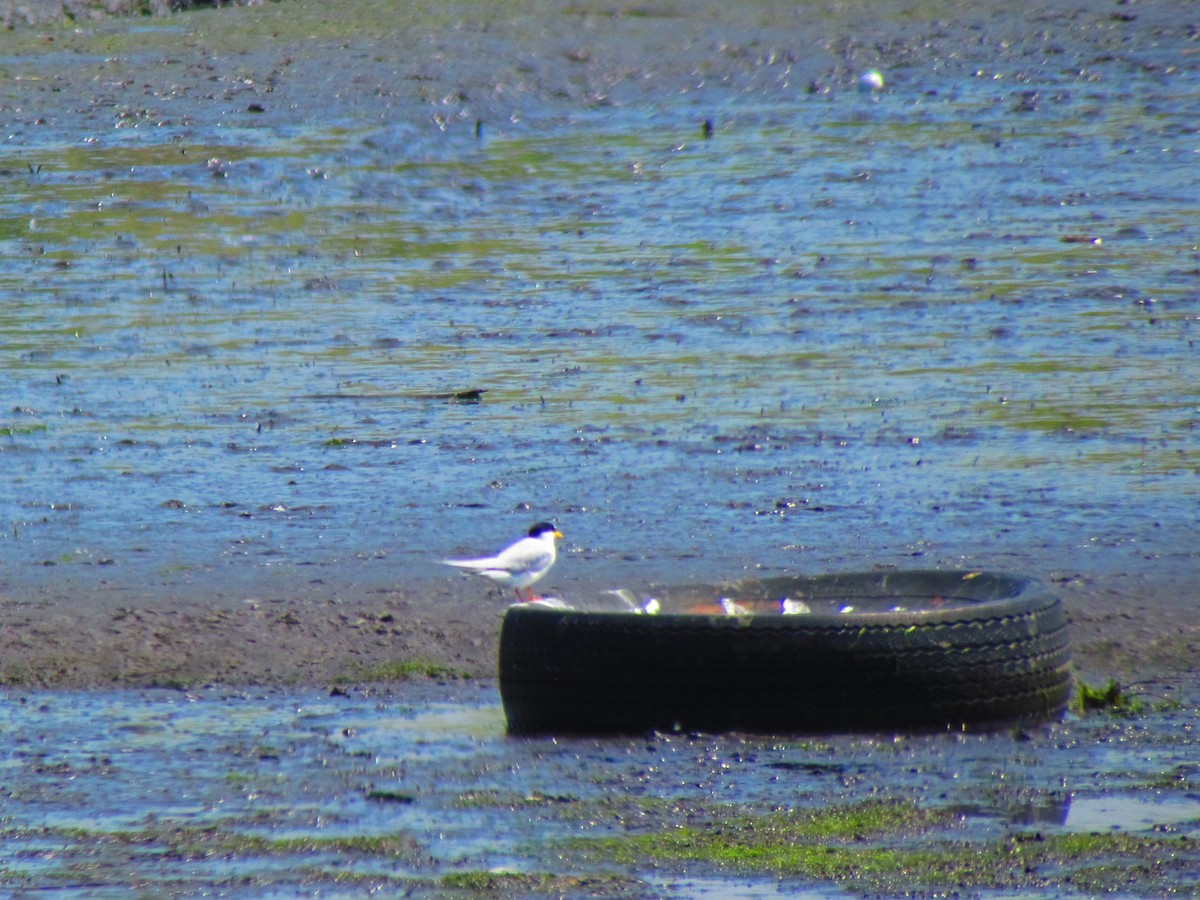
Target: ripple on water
940 315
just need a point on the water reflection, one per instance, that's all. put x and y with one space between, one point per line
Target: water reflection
1117 812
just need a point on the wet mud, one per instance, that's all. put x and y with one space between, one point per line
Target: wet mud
321 640
417 791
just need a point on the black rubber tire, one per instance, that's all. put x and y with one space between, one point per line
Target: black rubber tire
968 650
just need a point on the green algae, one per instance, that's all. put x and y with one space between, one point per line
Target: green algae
522 884
202 842
818 843
871 845
401 670
1110 697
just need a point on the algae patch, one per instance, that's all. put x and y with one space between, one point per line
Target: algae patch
401 670
523 884
873 846
828 843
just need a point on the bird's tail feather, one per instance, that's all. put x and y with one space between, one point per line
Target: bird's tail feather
468 563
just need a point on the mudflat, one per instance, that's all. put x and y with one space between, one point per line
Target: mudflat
1134 624
1119 631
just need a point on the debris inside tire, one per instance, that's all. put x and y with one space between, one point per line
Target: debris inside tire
907 650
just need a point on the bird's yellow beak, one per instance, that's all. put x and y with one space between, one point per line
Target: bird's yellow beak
558 534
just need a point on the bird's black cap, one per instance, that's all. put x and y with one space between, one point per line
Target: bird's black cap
541 528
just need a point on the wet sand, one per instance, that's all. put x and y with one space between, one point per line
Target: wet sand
1135 625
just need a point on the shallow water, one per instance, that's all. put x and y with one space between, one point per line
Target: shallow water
270 794
953 320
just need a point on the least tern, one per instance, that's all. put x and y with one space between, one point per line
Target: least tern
520 565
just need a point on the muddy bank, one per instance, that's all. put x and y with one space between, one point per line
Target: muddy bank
18 13
316 640
1120 630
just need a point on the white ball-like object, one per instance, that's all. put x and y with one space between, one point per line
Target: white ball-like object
870 81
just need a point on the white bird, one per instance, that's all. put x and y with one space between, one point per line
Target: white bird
519 565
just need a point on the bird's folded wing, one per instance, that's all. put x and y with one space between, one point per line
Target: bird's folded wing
523 556
524 559
489 563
